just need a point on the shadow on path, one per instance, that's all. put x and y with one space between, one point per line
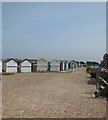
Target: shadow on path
91 81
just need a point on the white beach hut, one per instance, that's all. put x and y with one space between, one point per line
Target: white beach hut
25 66
10 65
55 65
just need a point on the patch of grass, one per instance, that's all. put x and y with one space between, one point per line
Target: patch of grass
8 73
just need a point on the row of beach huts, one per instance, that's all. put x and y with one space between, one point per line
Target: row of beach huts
12 65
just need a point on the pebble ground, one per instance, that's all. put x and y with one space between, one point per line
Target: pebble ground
51 95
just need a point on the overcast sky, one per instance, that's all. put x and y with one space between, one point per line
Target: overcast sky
54 30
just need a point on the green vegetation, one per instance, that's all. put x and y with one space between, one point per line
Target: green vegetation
93 74
92 63
91 68
8 73
91 71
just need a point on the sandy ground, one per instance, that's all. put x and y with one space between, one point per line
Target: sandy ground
51 95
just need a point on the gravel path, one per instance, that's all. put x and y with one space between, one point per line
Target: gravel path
51 95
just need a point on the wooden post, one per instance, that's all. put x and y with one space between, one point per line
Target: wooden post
106 109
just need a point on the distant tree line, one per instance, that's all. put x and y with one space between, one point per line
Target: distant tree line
92 63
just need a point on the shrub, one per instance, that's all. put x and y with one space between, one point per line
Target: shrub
93 74
89 69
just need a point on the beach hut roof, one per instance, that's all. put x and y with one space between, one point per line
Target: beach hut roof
55 60
27 60
63 60
9 59
42 59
